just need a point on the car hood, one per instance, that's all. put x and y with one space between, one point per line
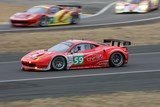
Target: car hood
38 53
24 15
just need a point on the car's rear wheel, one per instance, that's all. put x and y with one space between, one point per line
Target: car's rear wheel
43 21
75 19
116 59
59 63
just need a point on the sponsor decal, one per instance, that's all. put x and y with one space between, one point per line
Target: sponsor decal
78 60
95 58
103 63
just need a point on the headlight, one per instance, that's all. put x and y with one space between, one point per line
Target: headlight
119 7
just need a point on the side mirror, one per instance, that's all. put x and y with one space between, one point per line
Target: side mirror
71 52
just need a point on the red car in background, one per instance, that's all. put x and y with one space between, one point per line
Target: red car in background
78 54
47 15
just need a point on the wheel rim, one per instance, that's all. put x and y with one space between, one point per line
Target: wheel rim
44 21
58 63
75 20
117 59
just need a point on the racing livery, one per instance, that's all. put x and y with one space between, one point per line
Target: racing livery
47 15
78 54
138 6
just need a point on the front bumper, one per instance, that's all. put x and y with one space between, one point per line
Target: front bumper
28 65
18 22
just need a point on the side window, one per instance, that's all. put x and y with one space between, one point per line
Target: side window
93 46
54 10
82 47
78 48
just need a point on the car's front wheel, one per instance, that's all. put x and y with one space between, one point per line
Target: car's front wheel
43 21
116 59
59 63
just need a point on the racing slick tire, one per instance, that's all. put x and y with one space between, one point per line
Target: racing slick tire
75 19
58 63
116 59
43 21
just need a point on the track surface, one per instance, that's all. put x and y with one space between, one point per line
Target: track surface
106 17
142 73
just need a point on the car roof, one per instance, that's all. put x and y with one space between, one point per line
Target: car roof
46 6
81 41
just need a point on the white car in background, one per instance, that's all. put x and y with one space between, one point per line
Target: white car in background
136 6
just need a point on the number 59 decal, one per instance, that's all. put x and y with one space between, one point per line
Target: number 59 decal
78 60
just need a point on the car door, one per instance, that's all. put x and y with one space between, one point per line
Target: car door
86 56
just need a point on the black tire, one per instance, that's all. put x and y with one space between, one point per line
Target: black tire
58 63
116 59
43 21
75 19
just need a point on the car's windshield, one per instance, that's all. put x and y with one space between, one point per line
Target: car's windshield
61 47
54 10
40 10
132 1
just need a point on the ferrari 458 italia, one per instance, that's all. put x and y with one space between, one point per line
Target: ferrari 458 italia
137 6
78 54
47 15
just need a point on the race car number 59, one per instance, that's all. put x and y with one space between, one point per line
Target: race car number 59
77 60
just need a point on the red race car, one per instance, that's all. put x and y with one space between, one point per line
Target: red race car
78 54
47 15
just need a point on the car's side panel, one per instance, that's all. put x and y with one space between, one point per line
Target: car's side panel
88 59
76 60
110 51
98 58
61 17
67 17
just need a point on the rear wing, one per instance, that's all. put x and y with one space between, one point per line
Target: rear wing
116 42
77 8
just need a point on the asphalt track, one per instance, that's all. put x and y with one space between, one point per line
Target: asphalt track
104 17
141 74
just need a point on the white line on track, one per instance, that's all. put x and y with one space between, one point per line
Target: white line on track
101 11
2 23
82 26
78 76
134 54
149 53
9 62
117 23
